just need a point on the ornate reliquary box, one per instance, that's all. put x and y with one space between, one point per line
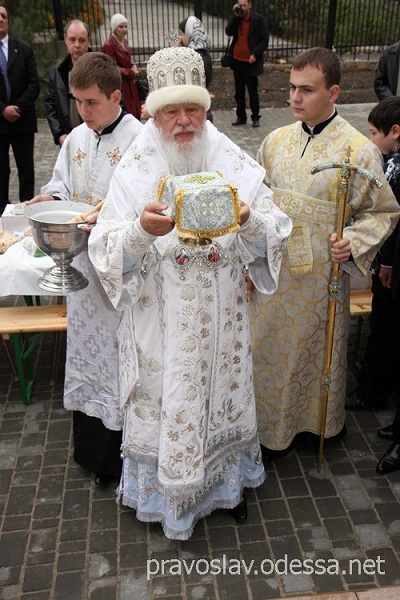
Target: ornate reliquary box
203 205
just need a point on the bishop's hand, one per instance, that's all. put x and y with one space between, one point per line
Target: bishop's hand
155 223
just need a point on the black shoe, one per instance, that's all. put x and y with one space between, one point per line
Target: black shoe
239 513
256 123
386 433
104 479
390 461
239 122
355 402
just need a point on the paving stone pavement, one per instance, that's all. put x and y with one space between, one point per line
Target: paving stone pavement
62 537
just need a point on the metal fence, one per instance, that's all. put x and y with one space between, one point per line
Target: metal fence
355 28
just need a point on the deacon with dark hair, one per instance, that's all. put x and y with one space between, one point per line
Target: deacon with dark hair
289 330
83 170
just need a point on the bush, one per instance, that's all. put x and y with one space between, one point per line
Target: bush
90 12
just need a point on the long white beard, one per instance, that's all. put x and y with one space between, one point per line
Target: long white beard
186 158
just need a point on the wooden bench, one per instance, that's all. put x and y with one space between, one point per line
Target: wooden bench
360 307
360 303
20 322
26 325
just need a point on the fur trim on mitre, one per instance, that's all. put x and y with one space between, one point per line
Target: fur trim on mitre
177 94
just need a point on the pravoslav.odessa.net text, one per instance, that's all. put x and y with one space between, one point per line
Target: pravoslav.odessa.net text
267 566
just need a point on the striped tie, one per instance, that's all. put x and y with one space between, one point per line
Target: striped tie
3 68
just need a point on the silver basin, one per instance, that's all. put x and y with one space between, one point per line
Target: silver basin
62 241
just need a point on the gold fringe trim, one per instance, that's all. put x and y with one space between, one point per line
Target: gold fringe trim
191 234
161 187
230 228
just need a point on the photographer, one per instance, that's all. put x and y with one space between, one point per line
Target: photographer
249 41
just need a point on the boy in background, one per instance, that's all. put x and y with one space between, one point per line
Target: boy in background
379 375
385 132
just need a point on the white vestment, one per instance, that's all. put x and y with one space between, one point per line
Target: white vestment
84 167
190 437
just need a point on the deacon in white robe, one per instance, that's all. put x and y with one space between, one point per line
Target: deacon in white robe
190 442
82 172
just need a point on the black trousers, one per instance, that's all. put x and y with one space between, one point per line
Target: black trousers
96 448
22 147
396 426
379 372
243 80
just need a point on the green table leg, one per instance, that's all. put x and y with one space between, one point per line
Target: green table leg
23 347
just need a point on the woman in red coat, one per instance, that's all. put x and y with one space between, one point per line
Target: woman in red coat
117 47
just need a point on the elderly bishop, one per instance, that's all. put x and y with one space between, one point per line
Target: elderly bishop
187 214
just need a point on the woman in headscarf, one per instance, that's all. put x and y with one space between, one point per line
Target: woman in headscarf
193 35
117 47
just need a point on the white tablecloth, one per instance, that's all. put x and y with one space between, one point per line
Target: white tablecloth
20 270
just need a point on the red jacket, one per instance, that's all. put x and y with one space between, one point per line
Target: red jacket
123 60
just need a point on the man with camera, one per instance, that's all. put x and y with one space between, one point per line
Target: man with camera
249 41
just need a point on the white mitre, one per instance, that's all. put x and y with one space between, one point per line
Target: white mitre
176 76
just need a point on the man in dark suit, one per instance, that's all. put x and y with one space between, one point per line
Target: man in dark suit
19 88
390 461
387 80
249 41
61 111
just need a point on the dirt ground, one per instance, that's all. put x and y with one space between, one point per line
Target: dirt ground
357 85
